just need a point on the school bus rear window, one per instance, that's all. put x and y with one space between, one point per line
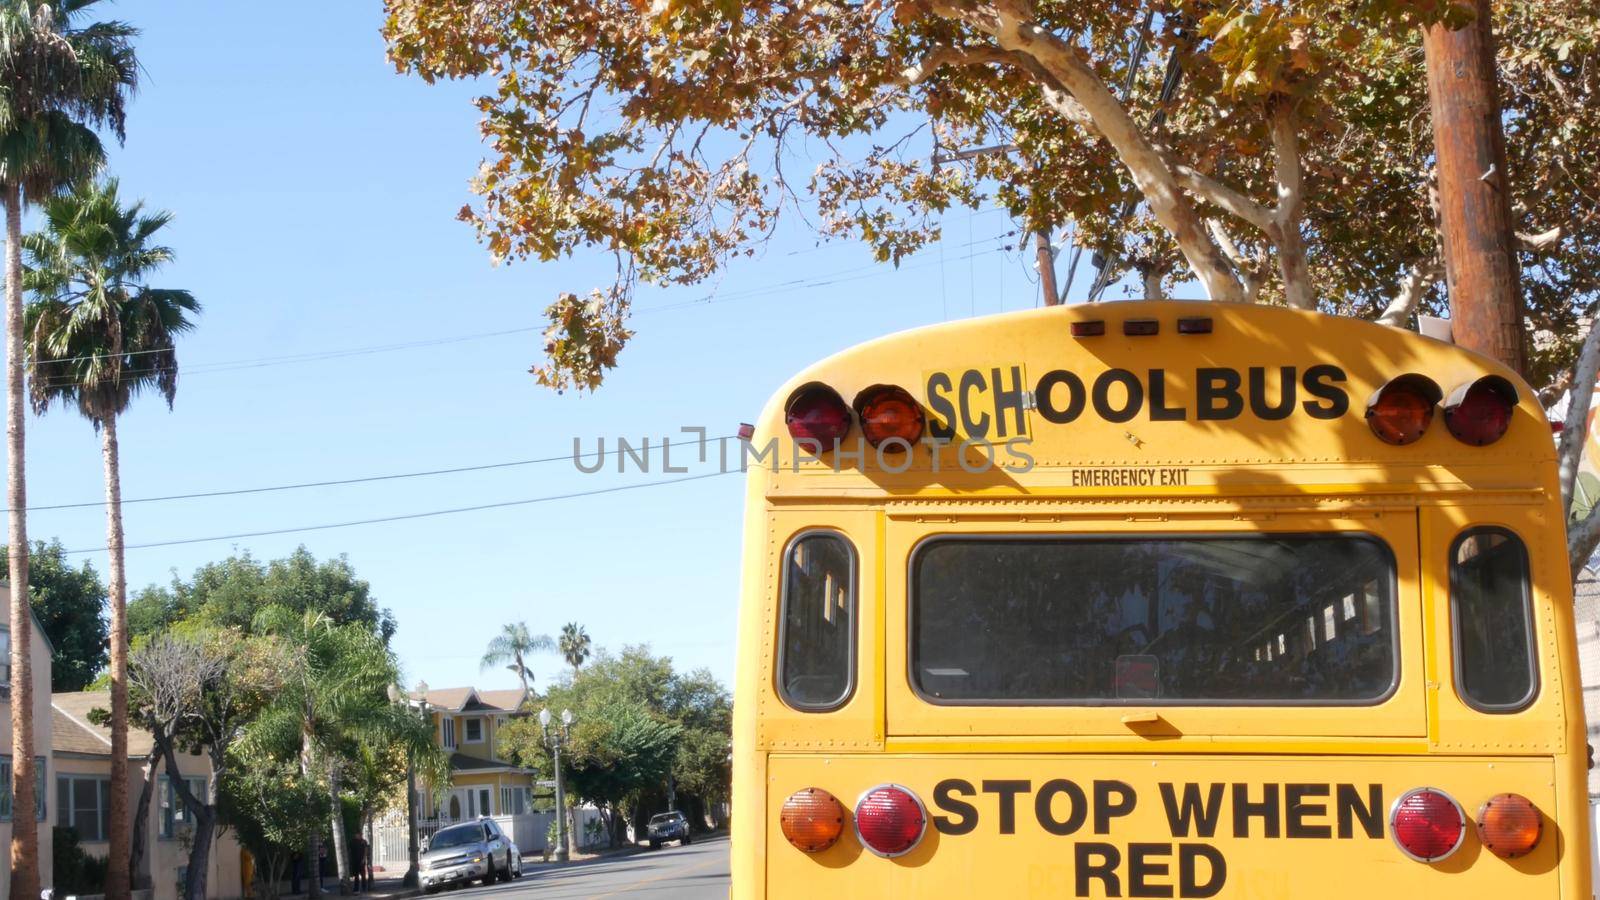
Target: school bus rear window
817 645
1301 619
1493 629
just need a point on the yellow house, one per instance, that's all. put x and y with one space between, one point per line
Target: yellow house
40 657
82 778
467 723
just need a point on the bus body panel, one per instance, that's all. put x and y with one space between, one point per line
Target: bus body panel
1155 825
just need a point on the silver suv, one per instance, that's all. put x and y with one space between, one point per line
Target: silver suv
471 850
668 826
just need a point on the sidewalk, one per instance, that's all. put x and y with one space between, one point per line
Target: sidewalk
385 886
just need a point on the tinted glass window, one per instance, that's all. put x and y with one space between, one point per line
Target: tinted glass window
1493 627
455 837
817 644
1259 619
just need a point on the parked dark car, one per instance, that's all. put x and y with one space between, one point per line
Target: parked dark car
471 850
668 826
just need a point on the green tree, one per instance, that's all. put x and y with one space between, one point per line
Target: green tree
229 593
333 699
70 604
641 729
195 689
1270 151
275 810
62 78
574 645
512 647
98 335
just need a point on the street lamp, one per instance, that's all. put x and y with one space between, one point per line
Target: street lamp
397 696
554 741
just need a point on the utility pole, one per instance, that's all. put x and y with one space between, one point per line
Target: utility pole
1047 268
1474 190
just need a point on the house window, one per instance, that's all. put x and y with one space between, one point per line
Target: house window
474 730
38 790
447 727
513 801
175 816
83 803
5 660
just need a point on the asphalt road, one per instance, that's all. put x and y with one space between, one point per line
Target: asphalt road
696 872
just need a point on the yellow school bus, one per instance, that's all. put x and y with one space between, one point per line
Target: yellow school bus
1156 600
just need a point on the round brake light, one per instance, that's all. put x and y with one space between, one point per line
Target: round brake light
1427 824
887 411
816 412
1400 411
1479 412
1509 825
890 820
812 819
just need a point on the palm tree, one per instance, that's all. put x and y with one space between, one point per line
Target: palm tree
511 648
61 79
574 644
98 335
333 701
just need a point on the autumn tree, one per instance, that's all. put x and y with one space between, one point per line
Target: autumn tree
1268 151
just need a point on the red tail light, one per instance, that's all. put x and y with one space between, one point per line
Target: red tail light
887 411
1401 411
1479 413
890 820
1427 824
815 412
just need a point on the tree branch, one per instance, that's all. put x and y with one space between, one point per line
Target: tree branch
1249 270
1544 240
1224 197
1413 287
939 57
1011 23
1569 450
1291 208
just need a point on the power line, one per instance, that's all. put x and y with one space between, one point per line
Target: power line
407 516
853 273
234 492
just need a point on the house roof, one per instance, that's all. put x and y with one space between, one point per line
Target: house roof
509 699
461 762
468 699
5 584
72 732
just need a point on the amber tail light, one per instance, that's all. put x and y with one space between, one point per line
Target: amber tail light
812 819
1400 412
887 412
1509 825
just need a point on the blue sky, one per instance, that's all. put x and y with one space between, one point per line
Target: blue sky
315 192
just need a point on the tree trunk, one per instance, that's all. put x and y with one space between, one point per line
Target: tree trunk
118 876
204 814
141 820
205 831
24 824
314 844
341 850
1474 197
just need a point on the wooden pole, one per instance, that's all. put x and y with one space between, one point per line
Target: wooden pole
1474 190
1047 268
